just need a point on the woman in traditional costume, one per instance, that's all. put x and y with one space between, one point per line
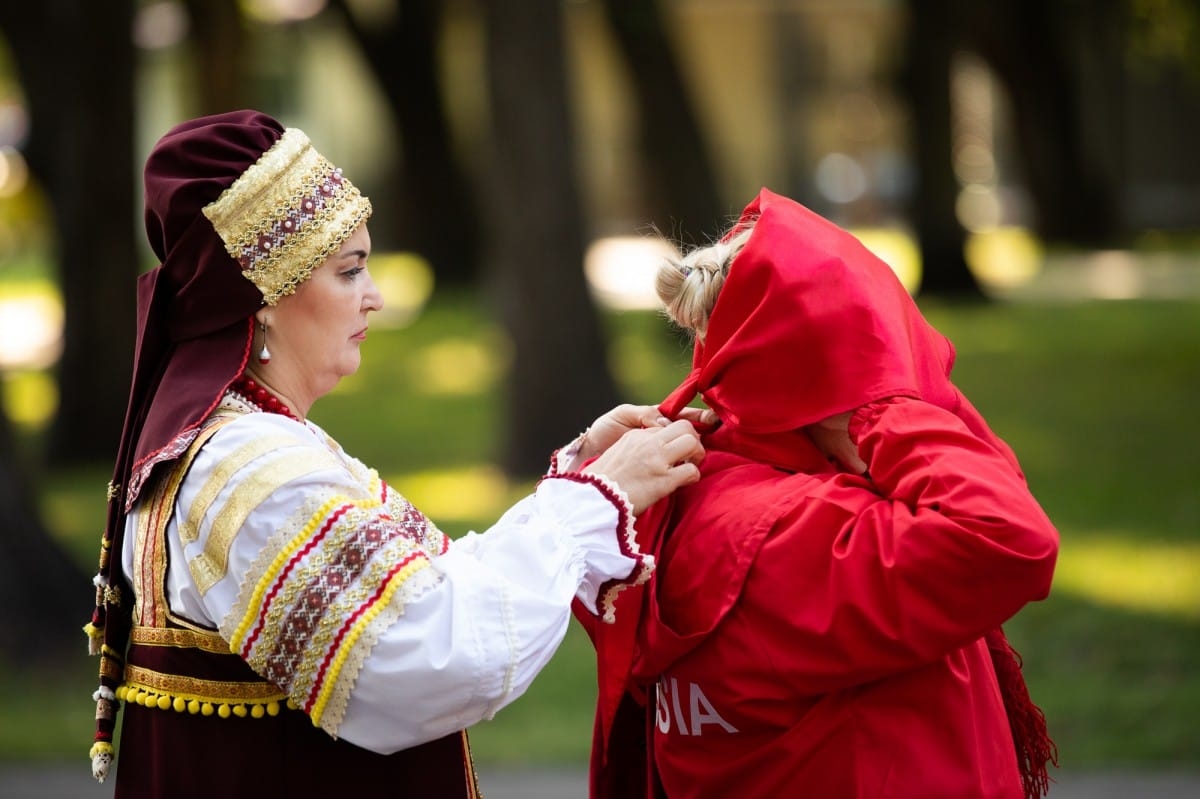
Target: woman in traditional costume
276 620
824 619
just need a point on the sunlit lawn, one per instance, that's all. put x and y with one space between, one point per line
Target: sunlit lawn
1097 399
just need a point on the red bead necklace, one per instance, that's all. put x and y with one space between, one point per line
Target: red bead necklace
261 397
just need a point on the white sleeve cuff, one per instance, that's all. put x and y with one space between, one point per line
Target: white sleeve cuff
614 563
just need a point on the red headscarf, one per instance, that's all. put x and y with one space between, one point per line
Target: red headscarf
809 324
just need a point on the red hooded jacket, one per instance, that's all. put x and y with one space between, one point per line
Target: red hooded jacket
812 633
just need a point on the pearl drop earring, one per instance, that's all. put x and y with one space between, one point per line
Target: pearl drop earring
264 355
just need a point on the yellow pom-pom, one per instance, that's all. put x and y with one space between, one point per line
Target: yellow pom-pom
180 704
206 709
101 748
292 704
223 711
163 702
239 711
193 706
120 693
272 708
257 712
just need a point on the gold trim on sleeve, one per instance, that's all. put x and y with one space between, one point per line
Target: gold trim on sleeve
209 567
189 531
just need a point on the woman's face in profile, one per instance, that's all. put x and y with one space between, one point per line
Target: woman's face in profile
314 334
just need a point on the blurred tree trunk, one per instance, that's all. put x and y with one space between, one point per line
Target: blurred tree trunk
681 193
1030 47
559 379
75 61
46 591
437 214
218 51
925 84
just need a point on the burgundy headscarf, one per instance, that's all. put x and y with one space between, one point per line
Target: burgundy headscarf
194 310
194 330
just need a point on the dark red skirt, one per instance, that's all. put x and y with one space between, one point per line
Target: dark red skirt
163 753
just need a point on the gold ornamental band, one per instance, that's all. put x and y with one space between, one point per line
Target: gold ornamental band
195 639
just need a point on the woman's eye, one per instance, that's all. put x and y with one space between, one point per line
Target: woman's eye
353 272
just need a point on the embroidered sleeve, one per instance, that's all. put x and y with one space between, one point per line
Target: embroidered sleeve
335 588
600 595
475 644
338 557
314 604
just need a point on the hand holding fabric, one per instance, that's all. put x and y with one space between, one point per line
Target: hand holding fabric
649 463
607 429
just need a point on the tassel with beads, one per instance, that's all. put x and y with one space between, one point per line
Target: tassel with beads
102 758
102 752
95 637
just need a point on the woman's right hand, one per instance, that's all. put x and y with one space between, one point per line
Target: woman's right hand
648 464
609 428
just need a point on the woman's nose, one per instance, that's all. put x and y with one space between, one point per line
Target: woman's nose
373 299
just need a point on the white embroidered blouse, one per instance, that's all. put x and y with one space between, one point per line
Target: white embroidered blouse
335 588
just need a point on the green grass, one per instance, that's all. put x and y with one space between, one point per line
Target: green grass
1096 398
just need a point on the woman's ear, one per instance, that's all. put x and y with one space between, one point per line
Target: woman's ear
261 317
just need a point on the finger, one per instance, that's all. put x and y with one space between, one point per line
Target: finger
683 449
622 415
702 416
651 416
680 427
684 474
675 449
635 416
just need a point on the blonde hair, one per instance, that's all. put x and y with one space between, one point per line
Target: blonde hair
688 287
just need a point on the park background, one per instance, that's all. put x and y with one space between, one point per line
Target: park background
1028 168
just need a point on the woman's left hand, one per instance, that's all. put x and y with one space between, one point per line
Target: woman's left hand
649 463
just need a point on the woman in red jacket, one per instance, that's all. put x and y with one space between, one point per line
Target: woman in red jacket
825 616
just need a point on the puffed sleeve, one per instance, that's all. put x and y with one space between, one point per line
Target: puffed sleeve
949 544
375 623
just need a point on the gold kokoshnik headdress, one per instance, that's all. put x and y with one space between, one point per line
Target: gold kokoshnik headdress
286 214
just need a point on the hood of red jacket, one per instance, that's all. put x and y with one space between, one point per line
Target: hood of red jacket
809 324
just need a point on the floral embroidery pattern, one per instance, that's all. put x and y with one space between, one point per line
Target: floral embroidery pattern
334 585
309 207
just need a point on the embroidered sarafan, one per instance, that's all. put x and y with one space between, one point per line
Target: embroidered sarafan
286 214
157 629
